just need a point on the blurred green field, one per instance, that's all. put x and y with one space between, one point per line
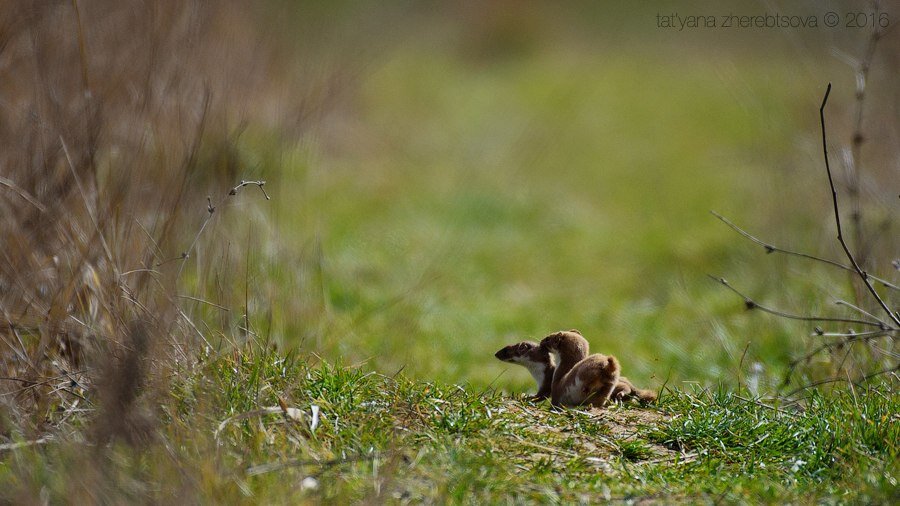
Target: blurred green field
463 202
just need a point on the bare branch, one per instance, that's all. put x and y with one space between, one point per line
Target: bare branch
837 217
752 304
859 382
210 210
770 248
848 339
861 310
246 183
854 186
871 333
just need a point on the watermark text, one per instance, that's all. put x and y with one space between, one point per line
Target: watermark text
680 21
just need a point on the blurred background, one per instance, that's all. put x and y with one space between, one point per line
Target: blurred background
445 179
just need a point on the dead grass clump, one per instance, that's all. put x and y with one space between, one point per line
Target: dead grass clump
117 119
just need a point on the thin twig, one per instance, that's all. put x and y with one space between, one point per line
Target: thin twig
752 304
270 410
770 248
860 381
23 444
870 334
24 194
837 217
887 370
277 466
210 210
245 183
763 405
857 139
195 299
84 199
82 51
34 384
848 339
861 310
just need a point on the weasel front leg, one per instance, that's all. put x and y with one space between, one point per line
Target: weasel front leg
625 391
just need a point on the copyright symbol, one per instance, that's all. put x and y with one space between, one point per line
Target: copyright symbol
831 19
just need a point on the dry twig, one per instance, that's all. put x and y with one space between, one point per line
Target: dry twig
884 327
837 218
752 304
770 248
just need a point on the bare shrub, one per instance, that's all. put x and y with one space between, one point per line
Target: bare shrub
117 119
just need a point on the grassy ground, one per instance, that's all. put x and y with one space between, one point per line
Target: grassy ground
380 438
481 182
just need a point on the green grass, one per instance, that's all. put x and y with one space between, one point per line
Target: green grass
390 438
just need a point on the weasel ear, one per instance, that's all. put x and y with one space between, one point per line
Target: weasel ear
577 332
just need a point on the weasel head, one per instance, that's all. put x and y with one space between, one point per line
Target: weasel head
565 344
524 352
531 356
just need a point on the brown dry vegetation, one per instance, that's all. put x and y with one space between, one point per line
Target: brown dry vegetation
118 120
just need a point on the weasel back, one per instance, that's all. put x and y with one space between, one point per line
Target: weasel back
591 381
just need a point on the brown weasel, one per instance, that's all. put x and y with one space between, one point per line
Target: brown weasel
539 363
534 358
579 378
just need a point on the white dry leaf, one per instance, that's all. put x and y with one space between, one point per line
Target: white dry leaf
315 418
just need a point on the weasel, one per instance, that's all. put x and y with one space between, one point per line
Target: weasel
536 359
579 378
624 389
539 363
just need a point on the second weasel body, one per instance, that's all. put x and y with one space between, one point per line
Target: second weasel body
580 378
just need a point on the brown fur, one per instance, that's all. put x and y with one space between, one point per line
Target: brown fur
580 378
539 362
625 390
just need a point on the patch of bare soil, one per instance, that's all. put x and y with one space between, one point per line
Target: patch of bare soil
622 429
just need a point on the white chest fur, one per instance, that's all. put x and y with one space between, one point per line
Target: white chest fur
537 369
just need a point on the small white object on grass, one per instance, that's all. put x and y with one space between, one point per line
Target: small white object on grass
315 418
309 483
